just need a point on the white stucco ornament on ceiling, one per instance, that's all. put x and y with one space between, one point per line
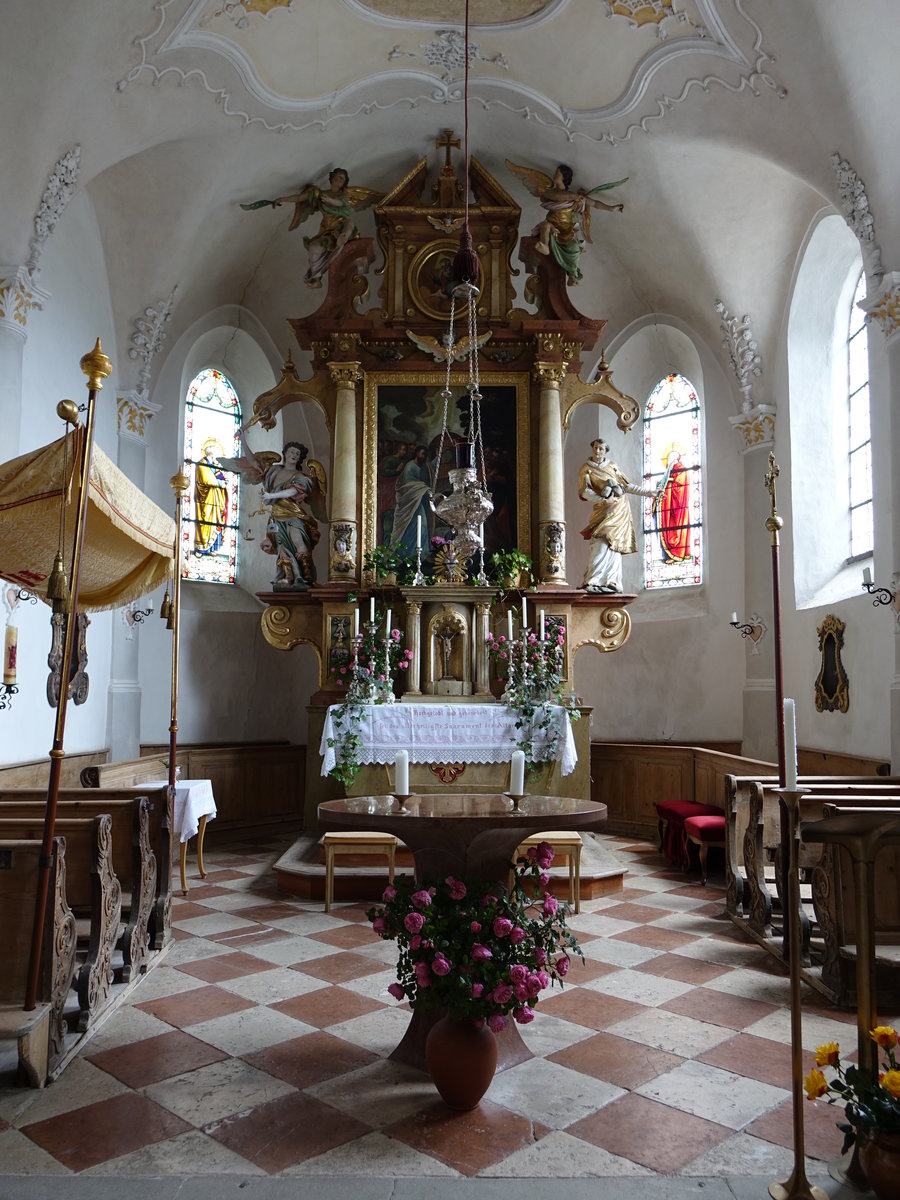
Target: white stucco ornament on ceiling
597 69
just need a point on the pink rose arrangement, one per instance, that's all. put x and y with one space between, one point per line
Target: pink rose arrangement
473 950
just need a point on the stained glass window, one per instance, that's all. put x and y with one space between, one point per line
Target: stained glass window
860 429
673 534
209 529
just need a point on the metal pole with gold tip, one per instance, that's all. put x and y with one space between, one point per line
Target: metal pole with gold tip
797 1186
96 366
180 483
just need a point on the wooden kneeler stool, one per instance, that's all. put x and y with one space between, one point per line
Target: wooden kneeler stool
567 845
382 844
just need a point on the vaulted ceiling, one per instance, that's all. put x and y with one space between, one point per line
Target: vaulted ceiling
723 115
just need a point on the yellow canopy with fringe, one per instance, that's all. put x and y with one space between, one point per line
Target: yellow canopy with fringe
129 542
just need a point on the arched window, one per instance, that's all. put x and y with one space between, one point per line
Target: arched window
210 520
673 541
859 429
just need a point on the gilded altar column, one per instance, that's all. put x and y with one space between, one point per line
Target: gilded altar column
551 550
343 564
884 310
414 643
482 660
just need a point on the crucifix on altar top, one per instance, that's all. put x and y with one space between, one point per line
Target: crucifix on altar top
448 191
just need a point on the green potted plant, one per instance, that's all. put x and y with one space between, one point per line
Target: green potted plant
390 564
508 568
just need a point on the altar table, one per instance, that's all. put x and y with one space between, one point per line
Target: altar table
460 833
194 806
440 733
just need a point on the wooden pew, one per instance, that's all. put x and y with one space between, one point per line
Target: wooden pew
133 859
834 901
40 1034
753 836
93 893
127 777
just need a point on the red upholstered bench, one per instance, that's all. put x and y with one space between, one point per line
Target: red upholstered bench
672 816
705 832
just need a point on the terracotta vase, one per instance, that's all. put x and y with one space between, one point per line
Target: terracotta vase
461 1058
880 1159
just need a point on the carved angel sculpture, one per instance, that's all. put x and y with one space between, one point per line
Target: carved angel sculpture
567 225
293 495
336 204
439 350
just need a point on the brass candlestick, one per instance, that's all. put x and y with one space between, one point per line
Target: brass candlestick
517 798
796 1186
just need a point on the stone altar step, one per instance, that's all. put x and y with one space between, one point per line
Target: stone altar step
301 872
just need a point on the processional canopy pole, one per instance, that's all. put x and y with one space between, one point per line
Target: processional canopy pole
180 484
97 367
469 503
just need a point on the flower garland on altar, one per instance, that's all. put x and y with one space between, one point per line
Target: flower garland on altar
530 668
376 655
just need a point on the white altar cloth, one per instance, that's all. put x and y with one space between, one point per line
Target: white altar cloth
446 733
193 800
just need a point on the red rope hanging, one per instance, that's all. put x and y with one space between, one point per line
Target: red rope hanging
465 263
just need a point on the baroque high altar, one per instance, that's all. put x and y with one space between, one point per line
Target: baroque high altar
377 375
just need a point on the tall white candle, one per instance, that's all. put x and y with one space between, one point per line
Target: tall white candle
401 773
517 773
372 610
542 624
387 622
524 613
790 746
356 622
418 531
509 622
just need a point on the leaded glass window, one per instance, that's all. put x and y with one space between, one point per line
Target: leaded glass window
673 534
209 529
860 429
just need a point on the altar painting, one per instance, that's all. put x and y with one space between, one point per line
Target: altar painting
404 416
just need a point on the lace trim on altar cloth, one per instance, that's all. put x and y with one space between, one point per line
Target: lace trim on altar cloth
442 733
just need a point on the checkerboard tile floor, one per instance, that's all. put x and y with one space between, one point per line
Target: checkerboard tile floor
259 1045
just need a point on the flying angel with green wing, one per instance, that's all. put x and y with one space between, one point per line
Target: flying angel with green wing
567 225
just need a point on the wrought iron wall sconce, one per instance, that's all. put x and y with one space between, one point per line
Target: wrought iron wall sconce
755 628
882 595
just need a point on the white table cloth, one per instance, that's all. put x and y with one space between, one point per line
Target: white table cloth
445 733
193 800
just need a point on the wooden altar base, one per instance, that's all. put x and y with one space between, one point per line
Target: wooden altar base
300 872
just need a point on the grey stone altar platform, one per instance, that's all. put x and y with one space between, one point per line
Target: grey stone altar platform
301 872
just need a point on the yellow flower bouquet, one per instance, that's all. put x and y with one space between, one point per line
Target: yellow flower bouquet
871 1106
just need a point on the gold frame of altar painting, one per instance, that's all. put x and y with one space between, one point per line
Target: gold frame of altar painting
377 382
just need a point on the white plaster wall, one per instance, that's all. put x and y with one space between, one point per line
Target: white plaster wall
680 675
73 271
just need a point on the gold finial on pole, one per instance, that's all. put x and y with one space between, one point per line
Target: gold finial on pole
773 522
96 366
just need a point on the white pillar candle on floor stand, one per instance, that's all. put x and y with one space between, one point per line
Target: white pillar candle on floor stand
790 746
517 773
401 773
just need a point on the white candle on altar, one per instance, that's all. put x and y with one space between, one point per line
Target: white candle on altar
542 624
524 613
372 610
387 622
790 746
419 531
509 622
401 773
356 622
517 773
